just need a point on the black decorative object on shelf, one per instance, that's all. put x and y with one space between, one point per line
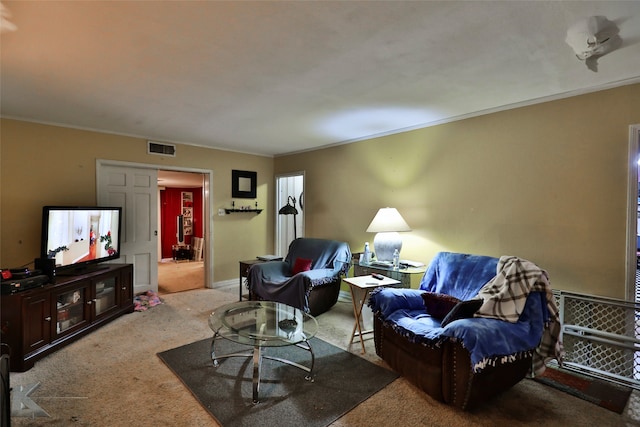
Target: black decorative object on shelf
246 208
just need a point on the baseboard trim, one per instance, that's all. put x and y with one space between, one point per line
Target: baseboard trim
224 283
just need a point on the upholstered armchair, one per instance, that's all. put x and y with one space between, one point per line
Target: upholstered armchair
308 278
477 326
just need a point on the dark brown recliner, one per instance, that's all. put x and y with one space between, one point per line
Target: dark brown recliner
468 360
445 373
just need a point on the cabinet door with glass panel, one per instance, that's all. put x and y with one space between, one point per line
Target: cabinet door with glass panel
107 295
72 308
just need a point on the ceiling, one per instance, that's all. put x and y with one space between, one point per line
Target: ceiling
276 77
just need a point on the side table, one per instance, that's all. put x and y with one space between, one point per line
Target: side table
360 288
410 277
244 271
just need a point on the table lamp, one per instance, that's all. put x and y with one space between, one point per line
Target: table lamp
387 223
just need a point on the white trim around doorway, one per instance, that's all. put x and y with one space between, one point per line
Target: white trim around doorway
632 212
206 203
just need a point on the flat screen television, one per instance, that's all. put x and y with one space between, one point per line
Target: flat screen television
79 238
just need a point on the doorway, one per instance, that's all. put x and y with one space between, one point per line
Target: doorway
147 220
181 231
633 216
290 205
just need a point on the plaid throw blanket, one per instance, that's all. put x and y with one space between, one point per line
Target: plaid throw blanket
505 296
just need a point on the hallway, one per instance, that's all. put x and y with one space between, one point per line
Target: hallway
179 276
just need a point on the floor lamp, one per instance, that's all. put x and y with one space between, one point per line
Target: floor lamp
290 209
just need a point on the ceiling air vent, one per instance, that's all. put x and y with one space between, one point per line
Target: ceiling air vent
161 149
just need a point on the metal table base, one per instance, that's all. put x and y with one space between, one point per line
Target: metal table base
258 355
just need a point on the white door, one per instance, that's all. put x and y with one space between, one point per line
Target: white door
289 189
136 191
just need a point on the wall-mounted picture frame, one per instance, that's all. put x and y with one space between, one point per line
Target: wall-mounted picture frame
243 184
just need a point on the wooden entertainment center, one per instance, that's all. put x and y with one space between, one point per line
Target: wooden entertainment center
39 321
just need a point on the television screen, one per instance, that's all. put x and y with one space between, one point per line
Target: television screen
79 236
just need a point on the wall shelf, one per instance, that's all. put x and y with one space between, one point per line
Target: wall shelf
257 211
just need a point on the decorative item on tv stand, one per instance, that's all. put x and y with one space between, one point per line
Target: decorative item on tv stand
387 224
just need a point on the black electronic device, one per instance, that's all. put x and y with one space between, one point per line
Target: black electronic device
23 273
77 237
12 285
47 265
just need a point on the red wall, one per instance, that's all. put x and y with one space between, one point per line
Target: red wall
170 208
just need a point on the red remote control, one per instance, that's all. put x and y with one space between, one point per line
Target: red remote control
377 276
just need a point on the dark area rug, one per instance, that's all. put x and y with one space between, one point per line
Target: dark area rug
341 381
600 392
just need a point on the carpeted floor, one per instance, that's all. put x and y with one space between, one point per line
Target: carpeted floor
341 381
112 377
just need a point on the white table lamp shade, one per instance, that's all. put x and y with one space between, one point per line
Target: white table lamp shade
387 223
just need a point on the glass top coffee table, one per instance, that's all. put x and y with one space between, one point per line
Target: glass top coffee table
262 324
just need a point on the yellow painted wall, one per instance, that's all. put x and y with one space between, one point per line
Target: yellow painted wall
44 165
546 182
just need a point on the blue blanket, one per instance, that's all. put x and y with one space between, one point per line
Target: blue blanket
274 281
489 341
